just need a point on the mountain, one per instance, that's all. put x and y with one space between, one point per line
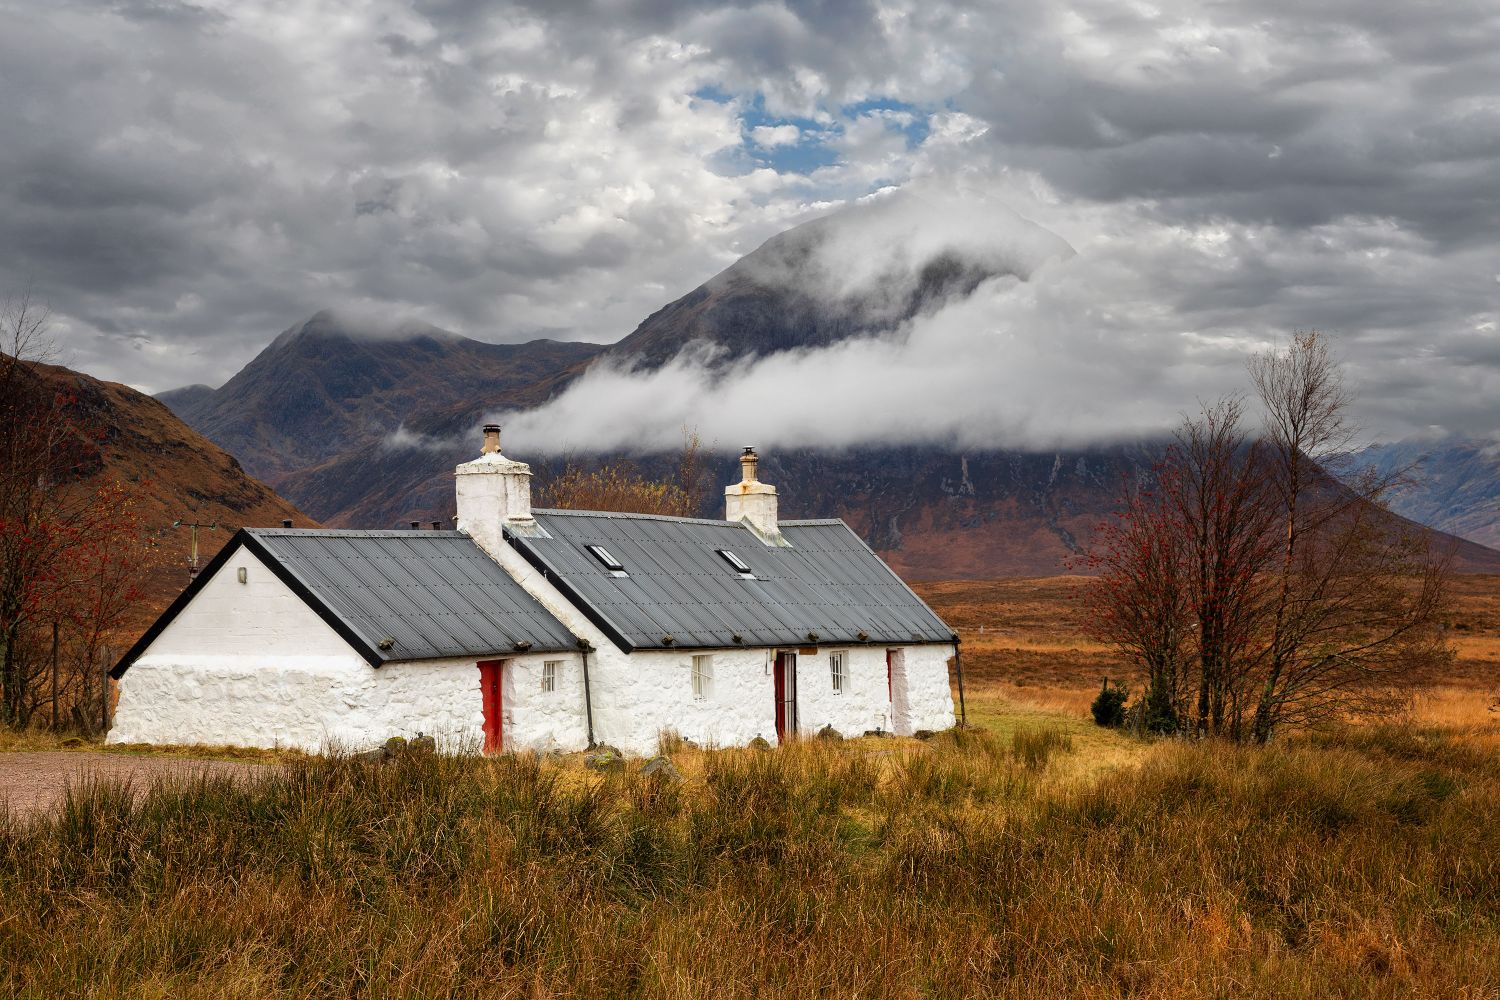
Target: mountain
170 471
326 388
799 290
1452 483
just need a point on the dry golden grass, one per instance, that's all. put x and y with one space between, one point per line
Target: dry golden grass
1028 638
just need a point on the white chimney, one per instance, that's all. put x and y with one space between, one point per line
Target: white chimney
752 501
492 492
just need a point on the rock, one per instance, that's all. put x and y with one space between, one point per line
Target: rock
395 747
370 756
759 743
924 734
605 759
72 741
662 768
830 734
424 745
879 732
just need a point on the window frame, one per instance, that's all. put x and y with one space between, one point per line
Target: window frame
735 562
550 670
604 557
838 670
701 669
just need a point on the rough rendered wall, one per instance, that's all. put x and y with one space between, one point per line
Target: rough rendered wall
534 719
251 665
648 692
865 703
929 695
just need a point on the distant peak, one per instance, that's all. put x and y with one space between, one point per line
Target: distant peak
360 324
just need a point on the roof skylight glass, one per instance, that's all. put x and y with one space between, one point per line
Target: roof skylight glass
739 564
602 554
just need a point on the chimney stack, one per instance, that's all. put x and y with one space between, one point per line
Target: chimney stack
493 492
753 502
286 522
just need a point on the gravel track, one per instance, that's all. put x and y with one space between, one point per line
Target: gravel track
32 783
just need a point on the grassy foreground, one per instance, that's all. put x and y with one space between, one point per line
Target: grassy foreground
1360 863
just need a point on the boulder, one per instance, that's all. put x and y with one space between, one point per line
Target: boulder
661 767
395 747
605 759
831 735
924 734
424 745
759 743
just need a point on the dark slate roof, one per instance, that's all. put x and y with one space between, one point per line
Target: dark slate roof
434 593
826 583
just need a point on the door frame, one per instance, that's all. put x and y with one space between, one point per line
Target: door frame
784 688
492 703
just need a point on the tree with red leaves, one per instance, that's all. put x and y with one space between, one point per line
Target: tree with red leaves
70 547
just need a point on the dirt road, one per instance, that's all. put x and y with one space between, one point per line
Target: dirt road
35 782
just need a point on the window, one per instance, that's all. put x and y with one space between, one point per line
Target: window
740 566
836 671
703 676
602 554
550 670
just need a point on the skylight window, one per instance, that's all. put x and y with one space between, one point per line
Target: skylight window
740 566
608 561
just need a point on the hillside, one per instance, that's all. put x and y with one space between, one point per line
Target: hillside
173 473
1453 483
325 388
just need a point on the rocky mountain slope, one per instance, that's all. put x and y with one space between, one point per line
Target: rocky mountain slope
1452 483
326 388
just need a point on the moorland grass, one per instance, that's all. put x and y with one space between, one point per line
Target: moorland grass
1358 862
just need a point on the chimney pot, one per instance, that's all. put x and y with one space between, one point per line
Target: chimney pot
437 525
491 439
416 525
286 522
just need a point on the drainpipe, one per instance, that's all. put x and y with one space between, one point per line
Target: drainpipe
588 701
958 664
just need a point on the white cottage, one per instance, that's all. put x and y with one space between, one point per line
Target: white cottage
541 629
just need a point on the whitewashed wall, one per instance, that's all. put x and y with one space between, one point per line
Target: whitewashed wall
922 696
251 665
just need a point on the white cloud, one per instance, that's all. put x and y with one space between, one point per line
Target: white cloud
771 136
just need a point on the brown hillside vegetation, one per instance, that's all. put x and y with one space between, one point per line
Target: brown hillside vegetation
172 473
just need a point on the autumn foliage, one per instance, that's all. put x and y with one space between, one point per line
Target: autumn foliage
72 546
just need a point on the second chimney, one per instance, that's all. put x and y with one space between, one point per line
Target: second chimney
753 502
492 492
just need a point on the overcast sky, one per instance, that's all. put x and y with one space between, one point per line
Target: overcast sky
181 182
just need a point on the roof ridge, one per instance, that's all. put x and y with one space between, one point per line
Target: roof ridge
621 514
356 532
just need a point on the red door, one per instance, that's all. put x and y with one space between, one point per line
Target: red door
786 696
490 672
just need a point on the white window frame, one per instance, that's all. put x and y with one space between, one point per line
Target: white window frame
550 670
702 669
838 670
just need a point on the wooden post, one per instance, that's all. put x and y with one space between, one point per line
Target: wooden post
54 675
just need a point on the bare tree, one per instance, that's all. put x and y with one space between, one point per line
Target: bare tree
1308 598
1358 595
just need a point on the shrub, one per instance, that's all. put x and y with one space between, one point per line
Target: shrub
1109 707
